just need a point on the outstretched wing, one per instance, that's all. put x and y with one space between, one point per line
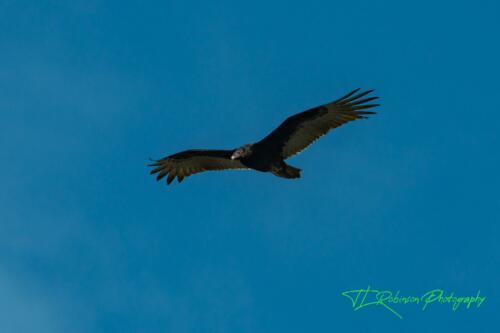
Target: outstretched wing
189 162
297 132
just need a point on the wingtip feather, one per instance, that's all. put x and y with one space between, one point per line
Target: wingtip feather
347 95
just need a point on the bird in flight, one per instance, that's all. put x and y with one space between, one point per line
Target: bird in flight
293 136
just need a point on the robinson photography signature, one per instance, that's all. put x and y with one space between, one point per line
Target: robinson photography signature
361 298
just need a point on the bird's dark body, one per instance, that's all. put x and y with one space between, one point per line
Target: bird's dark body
260 159
263 162
294 135
265 156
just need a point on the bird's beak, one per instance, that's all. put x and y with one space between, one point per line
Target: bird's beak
233 157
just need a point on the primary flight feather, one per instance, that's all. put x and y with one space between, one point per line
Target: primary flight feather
294 135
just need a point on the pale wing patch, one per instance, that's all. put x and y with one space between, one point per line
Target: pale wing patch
328 116
185 167
310 131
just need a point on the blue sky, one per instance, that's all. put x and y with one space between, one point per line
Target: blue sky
407 200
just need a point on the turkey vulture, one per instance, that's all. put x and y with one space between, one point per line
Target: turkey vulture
294 135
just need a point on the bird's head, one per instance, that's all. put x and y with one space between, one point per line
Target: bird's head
242 152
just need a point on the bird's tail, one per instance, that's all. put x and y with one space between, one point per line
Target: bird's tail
286 171
292 172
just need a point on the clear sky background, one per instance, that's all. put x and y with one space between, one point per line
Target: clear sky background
407 200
